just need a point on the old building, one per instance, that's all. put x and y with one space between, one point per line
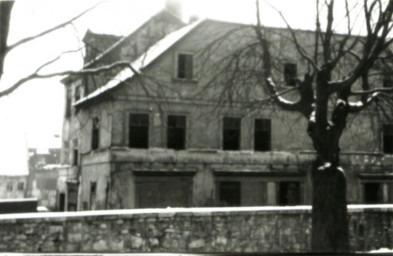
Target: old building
156 135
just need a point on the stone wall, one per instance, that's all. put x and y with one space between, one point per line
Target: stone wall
253 229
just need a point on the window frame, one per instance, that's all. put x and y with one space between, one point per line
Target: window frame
168 131
138 126
223 132
187 75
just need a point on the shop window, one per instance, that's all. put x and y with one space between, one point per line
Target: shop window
373 193
230 193
289 193
95 141
262 134
387 138
185 66
176 132
290 74
231 133
139 131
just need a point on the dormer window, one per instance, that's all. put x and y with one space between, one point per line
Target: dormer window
185 66
290 74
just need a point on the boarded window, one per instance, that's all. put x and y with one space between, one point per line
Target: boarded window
230 193
185 66
290 74
289 193
176 133
231 133
388 138
373 193
95 140
161 192
139 131
262 134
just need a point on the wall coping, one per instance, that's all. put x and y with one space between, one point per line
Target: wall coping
170 212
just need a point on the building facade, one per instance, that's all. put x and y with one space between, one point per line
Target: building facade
166 134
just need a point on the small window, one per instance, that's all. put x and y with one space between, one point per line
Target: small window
372 193
9 186
387 80
231 133
290 74
62 202
93 195
176 133
229 193
139 131
95 142
388 138
289 193
21 186
262 133
75 157
185 66
68 102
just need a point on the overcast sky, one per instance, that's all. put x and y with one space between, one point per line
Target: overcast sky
33 115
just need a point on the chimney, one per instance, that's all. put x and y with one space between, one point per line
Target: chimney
175 8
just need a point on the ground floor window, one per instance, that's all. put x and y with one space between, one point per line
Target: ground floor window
163 191
230 193
288 193
373 193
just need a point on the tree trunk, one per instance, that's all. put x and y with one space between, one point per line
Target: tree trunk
330 231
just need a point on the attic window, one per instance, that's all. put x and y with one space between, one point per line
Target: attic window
290 73
185 66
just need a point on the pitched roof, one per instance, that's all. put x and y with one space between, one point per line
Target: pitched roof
143 61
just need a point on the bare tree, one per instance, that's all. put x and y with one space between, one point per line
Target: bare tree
341 77
5 13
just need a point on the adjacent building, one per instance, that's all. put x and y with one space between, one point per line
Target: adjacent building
159 135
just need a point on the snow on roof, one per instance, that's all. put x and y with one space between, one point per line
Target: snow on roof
144 60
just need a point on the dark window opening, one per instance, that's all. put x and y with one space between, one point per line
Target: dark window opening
72 200
9 186
107 196
388 138
290 74
262 134
139 131
373 193
185 66
387 80
21 186
75 157
62 202
93 194
231 133
229 193
289 193
68 103
176 133
95 133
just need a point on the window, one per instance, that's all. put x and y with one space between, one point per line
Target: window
262 131
95 142
68 102
176 134
387 80
93 194
9 186
231 133
185 66
139 131
21 186
388 138
289 193
75 157
290 73
373 193
229 193
62 202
